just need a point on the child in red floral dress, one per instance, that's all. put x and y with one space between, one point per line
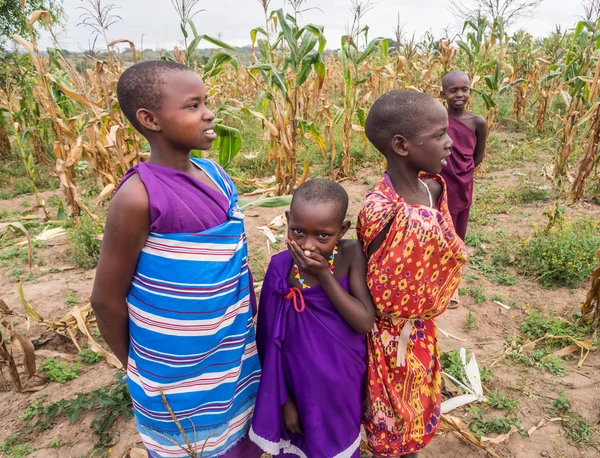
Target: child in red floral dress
414 265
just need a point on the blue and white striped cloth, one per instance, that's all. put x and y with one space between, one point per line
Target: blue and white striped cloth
192 338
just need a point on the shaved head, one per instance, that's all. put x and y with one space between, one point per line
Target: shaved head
454 76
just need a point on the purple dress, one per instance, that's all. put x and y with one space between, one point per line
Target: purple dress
179 203
318 359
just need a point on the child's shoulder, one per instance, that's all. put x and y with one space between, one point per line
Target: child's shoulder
131 194
478 122
435 183
351 248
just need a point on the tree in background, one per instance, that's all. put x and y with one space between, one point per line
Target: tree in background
15 14
506 10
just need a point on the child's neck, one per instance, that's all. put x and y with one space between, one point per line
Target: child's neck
173 159
457 112
405 180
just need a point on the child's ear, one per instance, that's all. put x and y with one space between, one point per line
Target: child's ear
287 217
147 119
345 226
399 145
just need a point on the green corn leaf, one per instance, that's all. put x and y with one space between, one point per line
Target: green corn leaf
278 80
308 43
370 49
185 34
317 30
289 35
230 143
363 80
305 69
219 43
193 27
321 72
267 202
362 116
255 32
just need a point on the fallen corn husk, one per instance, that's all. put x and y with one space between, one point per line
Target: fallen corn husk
450 424
48 234
77 320
29 243
472 385
585 346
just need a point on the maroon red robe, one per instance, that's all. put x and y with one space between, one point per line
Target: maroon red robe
459 172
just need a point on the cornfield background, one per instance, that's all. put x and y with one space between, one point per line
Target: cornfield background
289 109
56 110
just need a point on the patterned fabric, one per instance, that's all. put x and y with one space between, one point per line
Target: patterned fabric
192 343
412 277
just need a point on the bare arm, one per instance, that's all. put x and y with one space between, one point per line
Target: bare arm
481 134
125 232
357 311
378 241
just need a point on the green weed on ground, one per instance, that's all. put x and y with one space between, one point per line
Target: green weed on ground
577 430
12 447
529 191
501 401
84 243
89 356
110 403
470 321
535 326
496 425
59 371
563 255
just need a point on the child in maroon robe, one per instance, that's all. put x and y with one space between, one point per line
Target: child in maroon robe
469 134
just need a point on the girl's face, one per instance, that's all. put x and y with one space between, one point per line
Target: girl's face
184 117
316 227
428 151
457 91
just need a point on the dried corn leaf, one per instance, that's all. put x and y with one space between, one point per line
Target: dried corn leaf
4 309
106 192
56 354
25 44
592 301
138 453
29 243
565 351
450 424
28 308
501 438
24 345
110 358
541 424
6 355
40 14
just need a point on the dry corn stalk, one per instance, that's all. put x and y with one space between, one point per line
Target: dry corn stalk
77 320
591 305
584 346
450 424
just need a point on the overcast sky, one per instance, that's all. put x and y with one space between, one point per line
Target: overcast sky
232 20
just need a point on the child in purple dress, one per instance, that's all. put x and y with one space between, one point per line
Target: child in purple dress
314 311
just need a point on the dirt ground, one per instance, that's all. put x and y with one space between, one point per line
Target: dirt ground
534 389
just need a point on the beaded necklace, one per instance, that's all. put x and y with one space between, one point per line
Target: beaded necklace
331 267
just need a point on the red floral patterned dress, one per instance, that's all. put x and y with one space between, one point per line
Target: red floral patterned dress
412 277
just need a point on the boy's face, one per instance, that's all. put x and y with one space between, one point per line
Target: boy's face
184 119
316 227
428 150
457 91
